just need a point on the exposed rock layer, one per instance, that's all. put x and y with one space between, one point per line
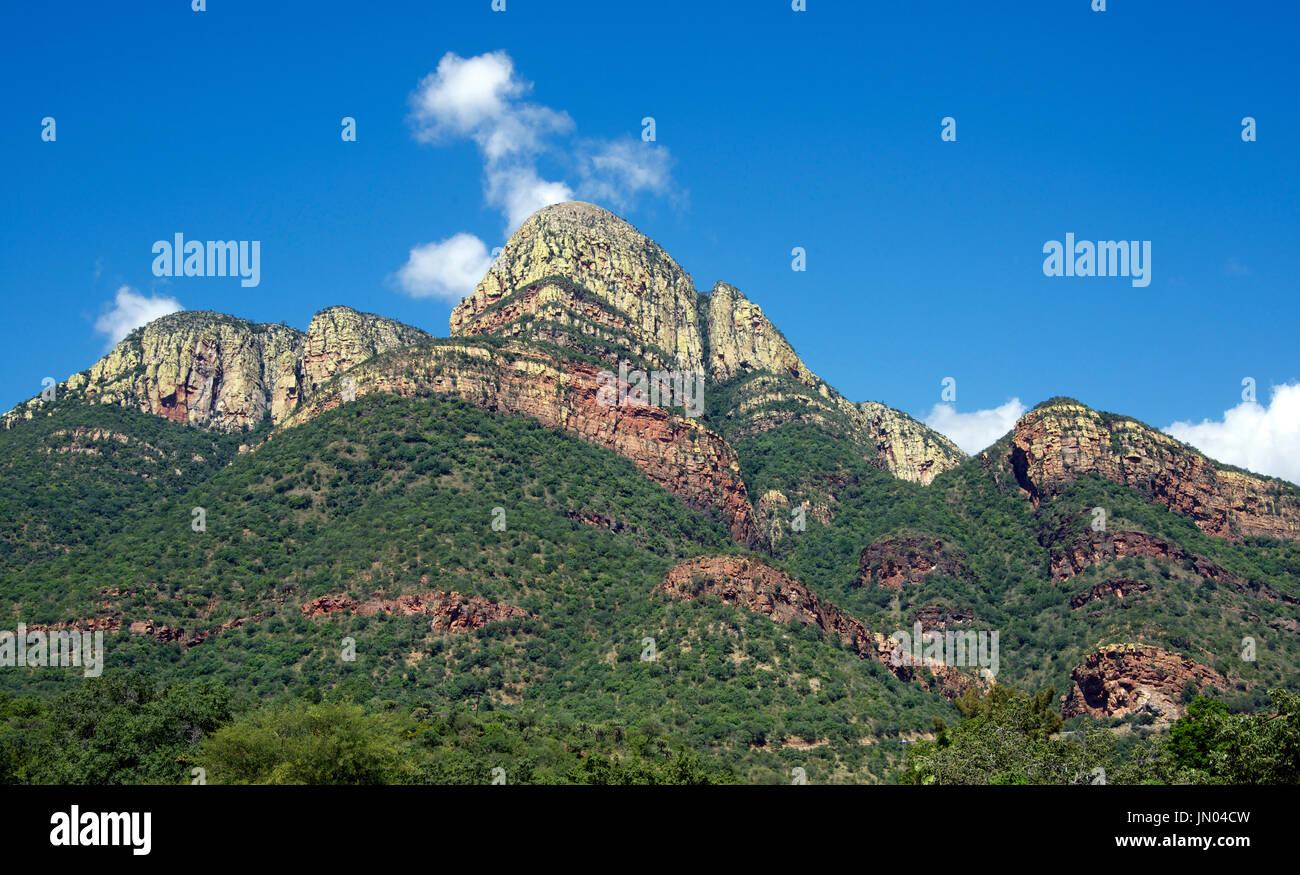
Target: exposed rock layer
895 562
450 612
1055 444
218 372
763 589
677 452
1124 679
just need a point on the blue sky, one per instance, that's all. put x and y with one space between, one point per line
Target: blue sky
774 129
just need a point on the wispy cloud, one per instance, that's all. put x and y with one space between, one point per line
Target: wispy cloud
1234 267
1263 439
482 99
128 311
978 429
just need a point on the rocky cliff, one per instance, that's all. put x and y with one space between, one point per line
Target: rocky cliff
1123 679
219 372
758 587
1062 440
742 341
605 255
579 277
896 561
449 612
677 452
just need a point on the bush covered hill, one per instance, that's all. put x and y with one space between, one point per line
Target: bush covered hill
450 556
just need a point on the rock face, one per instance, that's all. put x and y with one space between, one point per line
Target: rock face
604 254
1060 441
1124 679
909 449
556 310
222 373
742 341
1072 554
758 587
450 612
677 452
340 337
579 277
895 562
1116 587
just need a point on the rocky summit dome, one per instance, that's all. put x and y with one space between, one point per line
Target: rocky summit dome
600 252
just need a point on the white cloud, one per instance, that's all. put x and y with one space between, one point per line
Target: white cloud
448 269
977 430
478 98
1261 439
481 99
519 192
130 310
617 171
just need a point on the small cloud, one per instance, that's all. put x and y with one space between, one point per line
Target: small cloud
1252 436
448 269
1233 267
129 311
977 430
519 192
615 172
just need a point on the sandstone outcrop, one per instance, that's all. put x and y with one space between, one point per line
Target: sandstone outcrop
759 587
678 452
1115 587
1060 441
895 562
1070 554
606 255
448 612
742 341
1123 679
218 372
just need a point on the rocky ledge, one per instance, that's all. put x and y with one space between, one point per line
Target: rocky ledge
1123 679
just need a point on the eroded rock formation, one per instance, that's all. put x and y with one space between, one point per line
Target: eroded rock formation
448 612
675 451
605 255
759 587
1058 442
1123 679
895 562
218 372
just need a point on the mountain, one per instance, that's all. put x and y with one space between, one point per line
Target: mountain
496 534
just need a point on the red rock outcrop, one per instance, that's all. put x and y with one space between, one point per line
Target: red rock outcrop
677 452
1056 443
1070 555
1123 679
450 612
759 587
895 561
1116 587
942 616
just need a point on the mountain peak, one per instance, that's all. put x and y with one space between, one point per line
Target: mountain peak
633 280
